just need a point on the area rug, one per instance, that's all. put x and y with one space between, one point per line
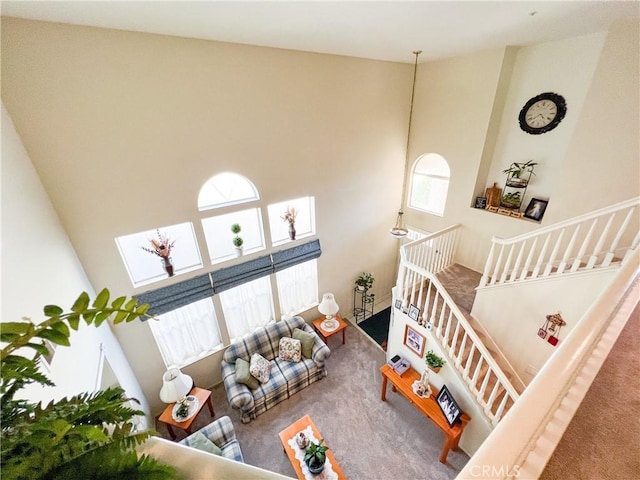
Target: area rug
370 439
377 326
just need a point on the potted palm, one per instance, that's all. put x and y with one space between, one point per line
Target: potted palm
315 456
434 362
237 240
515 172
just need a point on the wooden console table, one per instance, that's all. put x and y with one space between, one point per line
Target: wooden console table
427 406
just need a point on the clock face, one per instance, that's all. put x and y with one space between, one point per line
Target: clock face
542 113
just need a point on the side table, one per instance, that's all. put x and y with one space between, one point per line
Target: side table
325 334
203 396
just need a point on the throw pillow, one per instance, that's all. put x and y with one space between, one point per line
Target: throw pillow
260 368
306 339
290 349
243 375
201 442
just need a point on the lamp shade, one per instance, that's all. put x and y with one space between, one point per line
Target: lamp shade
175 385
328 305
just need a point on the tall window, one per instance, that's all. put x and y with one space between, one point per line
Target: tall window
219 237
226 189
247 307
298 288
305 221
430 184
187 334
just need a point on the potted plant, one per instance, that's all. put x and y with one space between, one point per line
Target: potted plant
434 362
237 240
315 456
365 281
515 172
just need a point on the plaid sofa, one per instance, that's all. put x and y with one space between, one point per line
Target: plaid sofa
222 433
286 379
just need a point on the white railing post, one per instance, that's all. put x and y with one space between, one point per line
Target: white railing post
487 265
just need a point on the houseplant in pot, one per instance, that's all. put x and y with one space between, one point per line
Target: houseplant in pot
517 170
365 281
434 362
315 456
237 240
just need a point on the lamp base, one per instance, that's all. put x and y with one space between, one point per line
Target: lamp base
329 324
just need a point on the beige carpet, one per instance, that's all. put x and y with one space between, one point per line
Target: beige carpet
370 439
602 442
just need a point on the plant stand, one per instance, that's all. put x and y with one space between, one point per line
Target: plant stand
362 304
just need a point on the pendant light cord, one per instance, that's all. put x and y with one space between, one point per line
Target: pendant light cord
406 159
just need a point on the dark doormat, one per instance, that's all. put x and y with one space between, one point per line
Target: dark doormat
377 327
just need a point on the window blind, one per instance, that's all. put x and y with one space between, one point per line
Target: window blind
169 298
298 254
230 277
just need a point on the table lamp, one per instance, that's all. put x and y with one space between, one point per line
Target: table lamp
328 307
175 386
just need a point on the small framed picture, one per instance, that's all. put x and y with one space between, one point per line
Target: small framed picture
448 405
399 304
414 312
414 340
536 208
481 202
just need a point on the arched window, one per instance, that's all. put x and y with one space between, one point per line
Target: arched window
429 184
226 189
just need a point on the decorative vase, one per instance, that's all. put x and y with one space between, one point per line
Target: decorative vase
315 469
292 231
167 265
238 251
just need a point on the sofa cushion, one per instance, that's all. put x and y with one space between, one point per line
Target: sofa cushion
201 442
260 368
243 375
290 349
306 339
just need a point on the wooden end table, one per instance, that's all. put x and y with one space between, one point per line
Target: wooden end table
203 396
291 431
324 334
427 406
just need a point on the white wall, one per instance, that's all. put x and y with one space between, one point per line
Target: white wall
589 161
513 313
40 267
124 128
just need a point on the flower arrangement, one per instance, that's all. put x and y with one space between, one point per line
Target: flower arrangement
289 215
161 247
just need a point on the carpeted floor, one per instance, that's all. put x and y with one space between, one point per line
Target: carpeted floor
371 439
603 440
377 327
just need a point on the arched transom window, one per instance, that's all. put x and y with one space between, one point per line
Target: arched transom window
226 189
429 184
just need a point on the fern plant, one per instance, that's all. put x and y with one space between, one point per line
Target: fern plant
86 436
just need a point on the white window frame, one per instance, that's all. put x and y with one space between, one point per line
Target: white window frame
228 186
219 238
437 201
305 223
297 288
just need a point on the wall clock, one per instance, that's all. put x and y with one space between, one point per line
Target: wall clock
542 113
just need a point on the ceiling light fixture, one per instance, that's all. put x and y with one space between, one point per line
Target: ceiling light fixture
399 230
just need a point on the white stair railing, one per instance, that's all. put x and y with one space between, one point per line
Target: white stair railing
464 350
590 241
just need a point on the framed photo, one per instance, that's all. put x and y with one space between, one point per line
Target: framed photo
399 304
448 405
414 340
536 208
414 312
481 202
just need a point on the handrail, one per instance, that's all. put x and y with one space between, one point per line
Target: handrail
506 451
570 222
421 260
550 251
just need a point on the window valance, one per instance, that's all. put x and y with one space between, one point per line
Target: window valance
298 254
178 295
230 277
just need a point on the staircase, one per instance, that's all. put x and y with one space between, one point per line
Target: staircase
429 279
423 263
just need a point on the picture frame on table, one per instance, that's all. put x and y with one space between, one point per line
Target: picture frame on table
414 312
414 340
535 209
450 408
398 304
